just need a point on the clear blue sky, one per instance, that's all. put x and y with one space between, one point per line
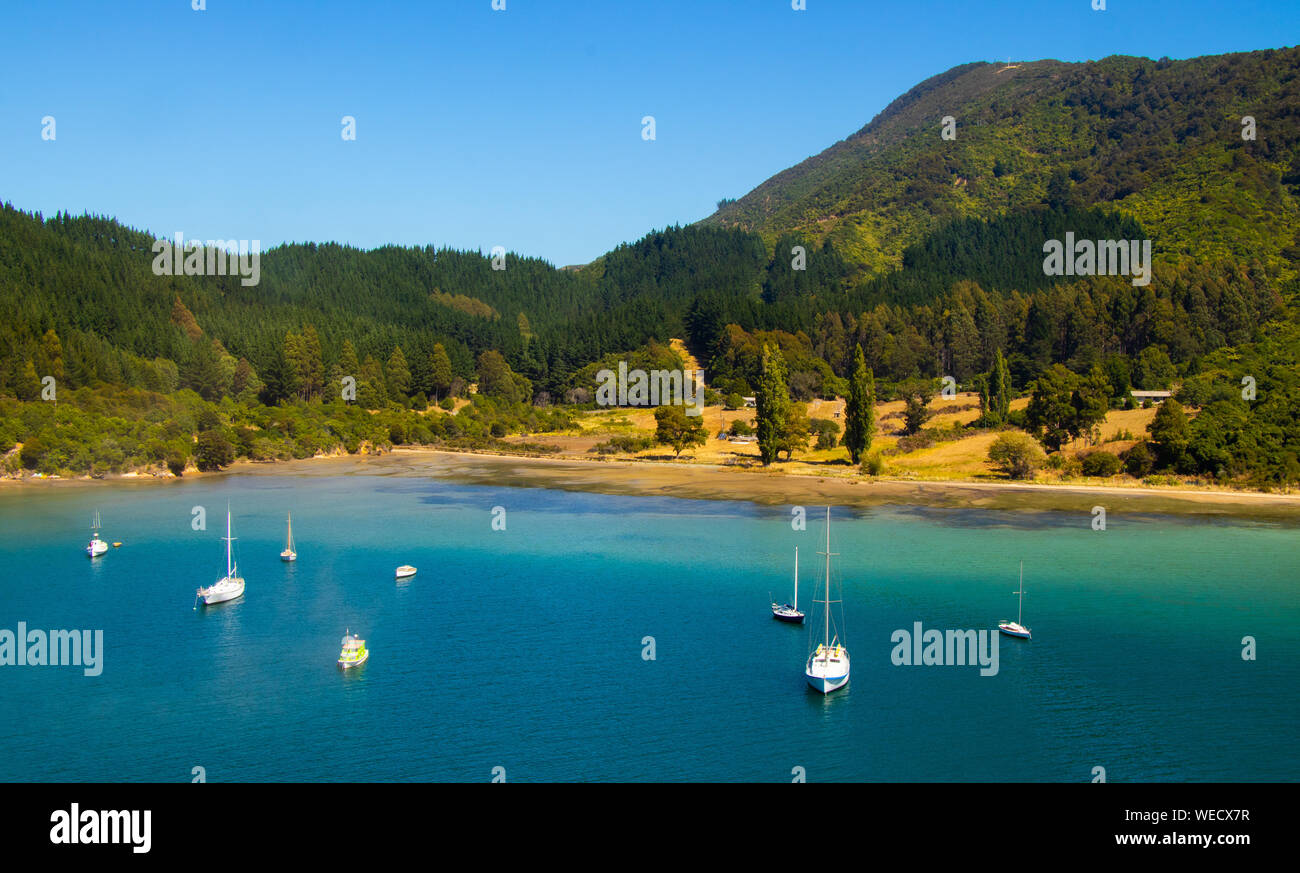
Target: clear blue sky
478 128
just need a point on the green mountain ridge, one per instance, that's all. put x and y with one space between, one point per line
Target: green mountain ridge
1160 141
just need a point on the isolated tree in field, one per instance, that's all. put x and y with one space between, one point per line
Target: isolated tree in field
827 432
794 435
860 410
916 394
1016 454
1051 413
773 404
675 428
1091 401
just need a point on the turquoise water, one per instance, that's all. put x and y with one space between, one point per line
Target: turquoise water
523 649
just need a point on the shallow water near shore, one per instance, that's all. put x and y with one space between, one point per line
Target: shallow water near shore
526 648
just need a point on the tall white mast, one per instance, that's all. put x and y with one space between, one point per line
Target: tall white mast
1021 608
828 581
796 578
228 538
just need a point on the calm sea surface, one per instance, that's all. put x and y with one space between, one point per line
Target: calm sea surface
523 648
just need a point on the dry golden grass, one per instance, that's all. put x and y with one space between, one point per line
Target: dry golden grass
963 458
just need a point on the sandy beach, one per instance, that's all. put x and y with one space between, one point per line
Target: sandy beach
773 487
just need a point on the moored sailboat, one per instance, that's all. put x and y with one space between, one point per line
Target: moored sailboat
289 554
827 668
229 586
1015 628
787 611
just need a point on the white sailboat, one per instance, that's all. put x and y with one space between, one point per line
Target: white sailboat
289 554
828 665
790 611
229 586
96 546
1015 628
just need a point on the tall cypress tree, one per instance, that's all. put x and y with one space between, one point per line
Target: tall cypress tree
773 402
1000 390
860 410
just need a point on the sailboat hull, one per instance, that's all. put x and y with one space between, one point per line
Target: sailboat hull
826 686
1012 629
226 589
288 556
827 675
787 613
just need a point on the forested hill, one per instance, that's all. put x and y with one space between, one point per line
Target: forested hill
924 253
1159 140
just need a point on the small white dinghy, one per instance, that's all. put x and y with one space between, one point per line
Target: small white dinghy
405 571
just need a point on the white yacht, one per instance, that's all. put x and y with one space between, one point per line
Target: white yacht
1015 628
289 553
828 666
229 586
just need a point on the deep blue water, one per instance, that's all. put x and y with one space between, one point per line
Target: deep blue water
523 648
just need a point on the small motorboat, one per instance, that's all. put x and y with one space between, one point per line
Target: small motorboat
354 652
97 546
405 571
117 545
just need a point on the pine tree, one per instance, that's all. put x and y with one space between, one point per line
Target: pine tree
51 359
440 368
371 391
399 374
313 364
294 365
